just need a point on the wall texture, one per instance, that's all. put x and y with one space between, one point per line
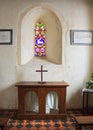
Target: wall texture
76 60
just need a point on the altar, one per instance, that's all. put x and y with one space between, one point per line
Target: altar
41 89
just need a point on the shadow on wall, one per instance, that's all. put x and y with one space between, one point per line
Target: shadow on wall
75 100
9 98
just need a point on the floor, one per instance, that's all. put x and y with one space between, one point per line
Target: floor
68 124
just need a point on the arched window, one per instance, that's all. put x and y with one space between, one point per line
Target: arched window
40 39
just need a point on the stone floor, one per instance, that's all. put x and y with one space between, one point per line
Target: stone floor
68 124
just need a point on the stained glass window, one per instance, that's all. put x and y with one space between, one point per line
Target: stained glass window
40 39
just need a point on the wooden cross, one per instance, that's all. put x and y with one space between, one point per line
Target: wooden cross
42 74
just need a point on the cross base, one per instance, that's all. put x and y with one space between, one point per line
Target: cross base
42 82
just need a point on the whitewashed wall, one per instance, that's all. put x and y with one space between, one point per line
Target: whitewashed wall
77 60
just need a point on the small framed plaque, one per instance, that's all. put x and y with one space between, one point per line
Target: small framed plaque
81 37
6 36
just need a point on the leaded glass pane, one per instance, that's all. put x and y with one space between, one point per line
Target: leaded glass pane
40 39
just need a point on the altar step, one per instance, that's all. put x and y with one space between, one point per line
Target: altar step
34 116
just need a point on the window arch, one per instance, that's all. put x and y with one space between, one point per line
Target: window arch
40 39
54 42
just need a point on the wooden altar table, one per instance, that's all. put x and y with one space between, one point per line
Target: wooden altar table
41 90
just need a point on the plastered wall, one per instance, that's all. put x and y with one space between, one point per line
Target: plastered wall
77 61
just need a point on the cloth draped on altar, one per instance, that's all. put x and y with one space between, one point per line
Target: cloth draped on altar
31 102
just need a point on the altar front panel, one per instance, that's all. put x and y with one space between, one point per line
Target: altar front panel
42 90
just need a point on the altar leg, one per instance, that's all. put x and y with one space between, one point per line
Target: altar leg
42 105
62 108
21 101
